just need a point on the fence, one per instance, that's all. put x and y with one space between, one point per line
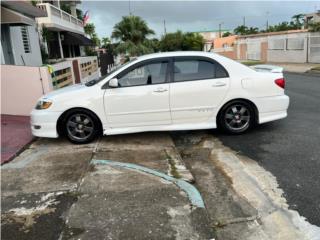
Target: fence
62 75
314 48
301 47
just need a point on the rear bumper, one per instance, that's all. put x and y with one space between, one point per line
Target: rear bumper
44 123
272 108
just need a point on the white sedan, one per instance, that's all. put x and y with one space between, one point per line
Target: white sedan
161 92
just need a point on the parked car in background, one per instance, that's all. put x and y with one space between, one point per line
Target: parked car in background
160 92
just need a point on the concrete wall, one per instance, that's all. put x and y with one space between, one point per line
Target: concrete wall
224 42
21 87
30 59
286 54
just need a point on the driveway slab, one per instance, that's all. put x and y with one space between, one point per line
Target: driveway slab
117 203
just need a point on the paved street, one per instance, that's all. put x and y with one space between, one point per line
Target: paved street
290 148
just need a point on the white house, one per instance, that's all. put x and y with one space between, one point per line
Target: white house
19 36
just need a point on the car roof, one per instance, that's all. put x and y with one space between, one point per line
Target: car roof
178 54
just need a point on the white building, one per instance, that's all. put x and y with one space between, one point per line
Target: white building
63 32
19 35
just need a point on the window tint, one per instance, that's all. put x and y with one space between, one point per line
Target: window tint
220 71
188 70
152 73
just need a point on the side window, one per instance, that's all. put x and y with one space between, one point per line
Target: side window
152 73
221 72
188 70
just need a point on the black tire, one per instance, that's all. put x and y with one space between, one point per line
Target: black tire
81 126
237 117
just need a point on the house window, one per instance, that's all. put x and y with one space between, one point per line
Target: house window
25 39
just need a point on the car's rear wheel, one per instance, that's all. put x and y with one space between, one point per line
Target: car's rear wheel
237 117
81 127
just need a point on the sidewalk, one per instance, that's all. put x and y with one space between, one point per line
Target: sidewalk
297 67
15 134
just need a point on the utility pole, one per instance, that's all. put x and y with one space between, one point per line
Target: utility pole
244 21
220 29
130 8
267 25
164 27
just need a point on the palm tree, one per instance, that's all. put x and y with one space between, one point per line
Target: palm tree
132 32
252 30
105 41
241 30
297 20
89 29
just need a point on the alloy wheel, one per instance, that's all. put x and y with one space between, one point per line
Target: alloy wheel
237 117
80 126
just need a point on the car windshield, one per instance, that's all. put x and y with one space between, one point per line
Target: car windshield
95 81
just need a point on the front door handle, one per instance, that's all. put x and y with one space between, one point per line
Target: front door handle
160 90
219 84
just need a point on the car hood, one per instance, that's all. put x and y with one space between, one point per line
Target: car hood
66 91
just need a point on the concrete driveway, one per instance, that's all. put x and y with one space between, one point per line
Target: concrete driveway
57 190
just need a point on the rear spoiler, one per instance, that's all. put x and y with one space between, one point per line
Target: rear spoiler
267 68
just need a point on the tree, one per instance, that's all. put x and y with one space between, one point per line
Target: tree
298 20
252 30
241 30
96 40
314 27
226 34
132 33
105 42
179 41
89 29
192 42
171 42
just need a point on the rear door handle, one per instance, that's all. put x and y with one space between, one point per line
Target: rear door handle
219 84
160 90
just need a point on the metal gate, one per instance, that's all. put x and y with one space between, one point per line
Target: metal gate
314 48
106 63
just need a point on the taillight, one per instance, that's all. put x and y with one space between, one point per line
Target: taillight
280 82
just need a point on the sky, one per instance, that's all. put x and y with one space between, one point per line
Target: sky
192 16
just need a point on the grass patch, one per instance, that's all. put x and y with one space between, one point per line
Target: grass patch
251 63
173 169
317 68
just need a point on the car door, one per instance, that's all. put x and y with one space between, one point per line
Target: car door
142 98
199 86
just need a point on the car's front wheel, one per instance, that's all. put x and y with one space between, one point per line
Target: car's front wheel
81 127
237 117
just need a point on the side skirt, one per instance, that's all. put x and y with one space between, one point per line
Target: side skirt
171 127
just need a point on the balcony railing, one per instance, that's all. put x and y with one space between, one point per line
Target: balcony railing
59 19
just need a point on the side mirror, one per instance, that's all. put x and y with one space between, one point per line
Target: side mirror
113 83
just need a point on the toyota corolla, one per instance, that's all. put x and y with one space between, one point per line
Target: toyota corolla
162 92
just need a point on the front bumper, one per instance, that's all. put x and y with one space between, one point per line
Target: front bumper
44 123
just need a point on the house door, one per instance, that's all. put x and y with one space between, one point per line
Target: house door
6 45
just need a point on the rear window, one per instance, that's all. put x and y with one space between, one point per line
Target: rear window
188 70
194 69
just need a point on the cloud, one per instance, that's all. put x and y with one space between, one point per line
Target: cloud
194 15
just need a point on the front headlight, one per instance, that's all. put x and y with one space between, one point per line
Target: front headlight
43 104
